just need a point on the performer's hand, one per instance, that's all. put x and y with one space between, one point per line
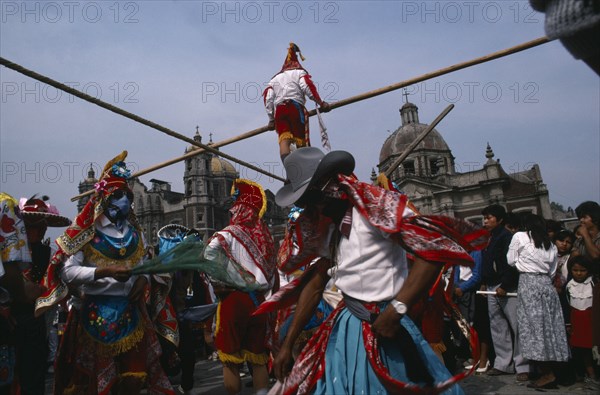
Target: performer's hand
137 291
500 292
271 125
387 324
118 272
582 231
283 363
324 107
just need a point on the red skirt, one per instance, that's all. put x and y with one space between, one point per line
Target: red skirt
581 328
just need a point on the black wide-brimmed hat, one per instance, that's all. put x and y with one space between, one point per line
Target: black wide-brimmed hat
306 167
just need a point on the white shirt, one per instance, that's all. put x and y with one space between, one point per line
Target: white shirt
242 256
288 85
77 271
523 254
370 266
580 294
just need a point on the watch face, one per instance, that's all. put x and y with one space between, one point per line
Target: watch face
399 307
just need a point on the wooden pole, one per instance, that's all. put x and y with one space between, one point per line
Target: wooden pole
416 142
367 95
437 73
343 102
129 115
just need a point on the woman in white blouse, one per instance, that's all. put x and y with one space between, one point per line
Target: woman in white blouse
541 328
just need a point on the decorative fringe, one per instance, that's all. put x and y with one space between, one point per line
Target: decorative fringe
141 376
256 359
289 136
230 358
74 389
102 260
123 345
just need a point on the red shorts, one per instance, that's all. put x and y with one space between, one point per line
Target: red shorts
238 332
291 122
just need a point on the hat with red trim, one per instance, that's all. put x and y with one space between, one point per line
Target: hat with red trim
35 211
250 194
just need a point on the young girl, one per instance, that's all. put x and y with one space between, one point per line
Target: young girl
579 291
563 241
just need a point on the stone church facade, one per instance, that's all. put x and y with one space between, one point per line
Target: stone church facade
428 176
203 205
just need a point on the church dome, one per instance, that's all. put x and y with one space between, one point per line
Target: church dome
402 137
219 165
398 141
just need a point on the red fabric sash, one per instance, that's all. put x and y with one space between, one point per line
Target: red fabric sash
310 365
431 237
288 294
55 290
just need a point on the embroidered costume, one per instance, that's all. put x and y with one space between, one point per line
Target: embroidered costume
249 247
372 239
109 340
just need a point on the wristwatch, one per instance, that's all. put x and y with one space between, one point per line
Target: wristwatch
399 307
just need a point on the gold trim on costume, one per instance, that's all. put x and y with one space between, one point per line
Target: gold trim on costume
256 359
101 260
289 136
230 358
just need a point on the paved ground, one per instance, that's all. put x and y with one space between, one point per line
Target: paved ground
209 379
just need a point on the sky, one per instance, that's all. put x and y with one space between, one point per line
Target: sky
188 64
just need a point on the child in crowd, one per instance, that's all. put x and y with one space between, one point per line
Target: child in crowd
579 291
563 240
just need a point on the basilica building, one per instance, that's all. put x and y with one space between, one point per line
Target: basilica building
429 176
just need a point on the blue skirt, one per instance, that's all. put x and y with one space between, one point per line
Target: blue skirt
347 368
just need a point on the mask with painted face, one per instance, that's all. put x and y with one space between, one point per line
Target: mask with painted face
118 207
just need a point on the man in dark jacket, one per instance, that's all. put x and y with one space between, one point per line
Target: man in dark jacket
501 278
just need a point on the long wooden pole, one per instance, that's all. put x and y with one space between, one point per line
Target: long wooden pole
416 142
129 115
363 96
343 102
